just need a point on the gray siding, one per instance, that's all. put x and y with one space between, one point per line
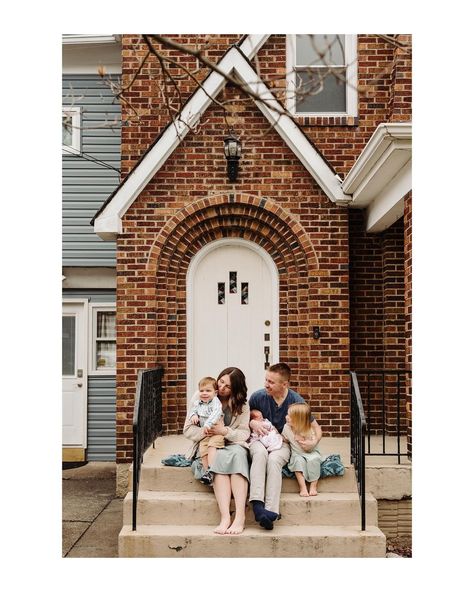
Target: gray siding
101 418
87 184
101 395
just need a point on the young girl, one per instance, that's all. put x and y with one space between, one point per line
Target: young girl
305 460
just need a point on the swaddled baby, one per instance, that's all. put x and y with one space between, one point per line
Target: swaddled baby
273 440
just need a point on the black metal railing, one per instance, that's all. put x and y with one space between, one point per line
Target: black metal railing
384 391
147 424
358 432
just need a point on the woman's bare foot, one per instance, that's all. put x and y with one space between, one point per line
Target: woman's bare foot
304 492
223 526
236 527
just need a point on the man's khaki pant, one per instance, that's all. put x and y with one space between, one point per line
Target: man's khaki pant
265 474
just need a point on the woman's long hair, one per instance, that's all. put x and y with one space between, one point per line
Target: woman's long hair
238 389
300 415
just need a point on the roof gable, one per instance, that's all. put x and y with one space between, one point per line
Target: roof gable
235 62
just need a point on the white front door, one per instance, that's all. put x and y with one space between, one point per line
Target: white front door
74 375
232 312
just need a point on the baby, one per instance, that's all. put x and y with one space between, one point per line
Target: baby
207 412
273 440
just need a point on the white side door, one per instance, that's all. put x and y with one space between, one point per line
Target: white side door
74 374
233 317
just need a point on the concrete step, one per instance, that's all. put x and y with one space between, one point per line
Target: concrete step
155 477
198 508
283 541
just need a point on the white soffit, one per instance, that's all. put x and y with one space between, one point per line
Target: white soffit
381 176
109 222
384 155
388 206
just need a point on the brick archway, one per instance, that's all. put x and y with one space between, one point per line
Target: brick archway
258 220
151 297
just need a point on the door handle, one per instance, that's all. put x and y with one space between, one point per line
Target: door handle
79 384
266 351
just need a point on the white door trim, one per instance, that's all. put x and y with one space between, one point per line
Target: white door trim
194 264
85 332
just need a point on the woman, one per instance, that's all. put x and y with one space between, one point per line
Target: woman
231 467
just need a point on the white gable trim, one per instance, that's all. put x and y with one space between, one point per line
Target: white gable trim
109 222
292 135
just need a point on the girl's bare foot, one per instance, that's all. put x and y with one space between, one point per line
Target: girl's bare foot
313 492
223 526
236 527
304 492
313 488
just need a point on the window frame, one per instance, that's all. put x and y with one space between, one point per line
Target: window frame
350 55
94 308
75 147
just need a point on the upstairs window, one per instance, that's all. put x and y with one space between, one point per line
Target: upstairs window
322 75
71 130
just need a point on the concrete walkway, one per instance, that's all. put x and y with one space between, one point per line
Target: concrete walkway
92 514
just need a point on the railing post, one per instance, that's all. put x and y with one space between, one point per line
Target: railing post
135 478
362 475
358 432
147 423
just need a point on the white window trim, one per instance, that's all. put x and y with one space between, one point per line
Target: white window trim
94 308
75 113
351 81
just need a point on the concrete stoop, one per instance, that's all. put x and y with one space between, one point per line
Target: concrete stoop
176 517
283 541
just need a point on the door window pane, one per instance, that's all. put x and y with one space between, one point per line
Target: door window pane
244 295
69 345
220 293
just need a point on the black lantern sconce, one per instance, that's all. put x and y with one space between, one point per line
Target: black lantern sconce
232 151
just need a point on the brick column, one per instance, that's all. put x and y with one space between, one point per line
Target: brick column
394 323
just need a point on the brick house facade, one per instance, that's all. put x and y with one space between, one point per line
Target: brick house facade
333 274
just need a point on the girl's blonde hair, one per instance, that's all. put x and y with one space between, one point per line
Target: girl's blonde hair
300 415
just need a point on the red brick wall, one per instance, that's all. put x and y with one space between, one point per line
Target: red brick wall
275 203
377 326
401 88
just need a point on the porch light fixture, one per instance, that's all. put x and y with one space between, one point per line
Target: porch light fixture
232 151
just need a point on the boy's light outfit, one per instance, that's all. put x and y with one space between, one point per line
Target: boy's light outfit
209 414
272 441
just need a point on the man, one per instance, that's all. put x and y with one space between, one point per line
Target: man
265 471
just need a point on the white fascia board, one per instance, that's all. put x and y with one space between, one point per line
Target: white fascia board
97 39
388 206
107 223
107 227
386 152
252 44
292 135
